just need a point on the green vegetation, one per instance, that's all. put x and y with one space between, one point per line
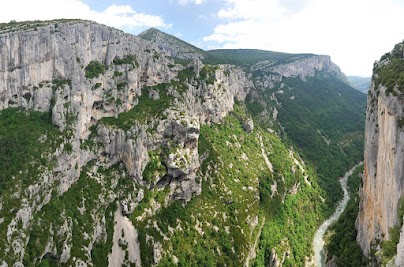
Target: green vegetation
144 111
322 116
186 74
80 210
121 86
86 191
97 85
236 187
342 234
127 60
27 139
117 74
148 109
102 248
360 83
60 83
21 147
248 57
30 25
314 114
208 73
154 169
90 143
401 122
389 247
391 73
94 69
242 199
309 120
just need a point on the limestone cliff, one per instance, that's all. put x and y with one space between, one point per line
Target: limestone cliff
85 73
300 66
383 177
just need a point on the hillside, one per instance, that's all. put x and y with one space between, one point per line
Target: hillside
114 154
309 98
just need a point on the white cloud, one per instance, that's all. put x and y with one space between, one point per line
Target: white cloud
119 16
354 33
195 2
119 10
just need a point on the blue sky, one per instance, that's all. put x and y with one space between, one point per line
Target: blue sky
186 19
354 33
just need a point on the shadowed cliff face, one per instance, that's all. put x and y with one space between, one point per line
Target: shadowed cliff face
383 177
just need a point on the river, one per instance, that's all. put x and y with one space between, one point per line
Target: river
318 242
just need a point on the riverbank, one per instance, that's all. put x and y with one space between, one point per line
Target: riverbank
318 241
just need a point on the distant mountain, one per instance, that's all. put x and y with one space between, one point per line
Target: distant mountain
172 45
249 57
360 83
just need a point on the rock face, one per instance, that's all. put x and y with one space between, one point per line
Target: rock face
82 72
383 177
300 67
399 261
44 69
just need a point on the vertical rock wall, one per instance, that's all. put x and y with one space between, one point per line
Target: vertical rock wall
383 177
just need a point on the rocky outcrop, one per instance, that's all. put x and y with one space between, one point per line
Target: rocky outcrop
383 177
179 131
332 262
399 261
300 67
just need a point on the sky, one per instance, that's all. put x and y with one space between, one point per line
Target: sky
355 33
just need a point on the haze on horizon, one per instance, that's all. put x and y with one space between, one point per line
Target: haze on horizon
353 33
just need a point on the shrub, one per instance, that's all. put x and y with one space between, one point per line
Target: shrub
94 69
129 59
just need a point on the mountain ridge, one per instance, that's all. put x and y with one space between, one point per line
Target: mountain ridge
245 58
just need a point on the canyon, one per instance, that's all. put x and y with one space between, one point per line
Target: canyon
145 150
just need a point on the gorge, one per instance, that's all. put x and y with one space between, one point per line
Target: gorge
123 150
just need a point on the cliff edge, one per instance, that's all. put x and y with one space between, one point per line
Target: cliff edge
383 177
